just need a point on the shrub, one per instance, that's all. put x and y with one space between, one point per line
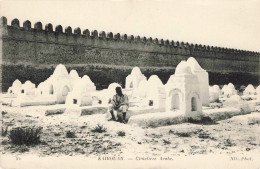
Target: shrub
25 135
4 131
99 129
70 134
166 141
183 134
229 143
121 133
4 112
254 121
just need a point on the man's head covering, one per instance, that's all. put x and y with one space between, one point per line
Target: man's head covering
119 91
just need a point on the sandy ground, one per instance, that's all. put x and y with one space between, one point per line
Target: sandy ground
234 142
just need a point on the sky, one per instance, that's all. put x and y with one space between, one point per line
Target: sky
223 23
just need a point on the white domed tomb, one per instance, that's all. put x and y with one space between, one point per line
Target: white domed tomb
203 79
132 81
183 91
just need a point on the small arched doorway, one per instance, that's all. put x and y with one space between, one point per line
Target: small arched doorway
193 104
131 85
175 102
51 90
75 101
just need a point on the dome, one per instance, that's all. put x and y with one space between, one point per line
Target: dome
112 87
250 90
83 84
60 70
74 74
86 79
216 87
183 68
250 87
136 71
29 84
230 85
258 90
194 65
40 85
224 88
229 91
16 83
154 81
213 94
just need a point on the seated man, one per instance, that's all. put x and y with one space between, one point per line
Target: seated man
119 103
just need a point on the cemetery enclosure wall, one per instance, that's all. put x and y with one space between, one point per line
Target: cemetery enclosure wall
32 54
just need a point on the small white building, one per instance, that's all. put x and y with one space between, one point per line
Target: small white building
82 92
59 84
132 81
155 92
28 88
203 79
249 90
15 89
229 90
236 101
183 91
45 89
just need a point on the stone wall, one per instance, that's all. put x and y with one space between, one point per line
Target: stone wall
32 53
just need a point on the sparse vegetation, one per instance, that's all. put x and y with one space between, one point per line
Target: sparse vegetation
203 135
183 134
229 143
25 135
166 141
121 133
4 131
4 112
254 121
4 142
180 134
22 149
203 120
99 129
70 134
216 104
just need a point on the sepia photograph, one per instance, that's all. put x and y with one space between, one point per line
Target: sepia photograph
129 84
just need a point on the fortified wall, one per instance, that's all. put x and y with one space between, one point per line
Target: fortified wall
31 53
